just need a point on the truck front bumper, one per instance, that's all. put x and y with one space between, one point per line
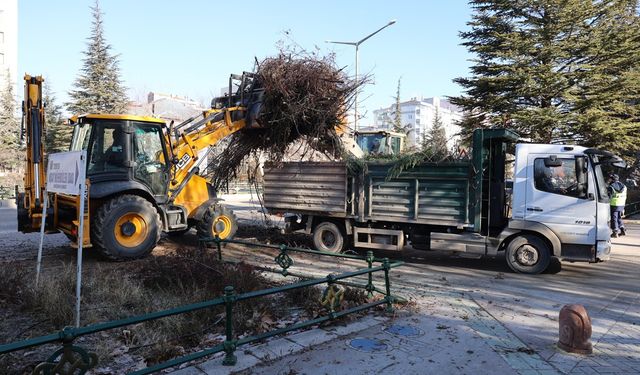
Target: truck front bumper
603 251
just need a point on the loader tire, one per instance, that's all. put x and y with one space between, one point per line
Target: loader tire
219 221
126 227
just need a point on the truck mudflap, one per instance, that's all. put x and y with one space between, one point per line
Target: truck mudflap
603 251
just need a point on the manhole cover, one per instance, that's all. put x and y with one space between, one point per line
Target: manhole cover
368 345
404 330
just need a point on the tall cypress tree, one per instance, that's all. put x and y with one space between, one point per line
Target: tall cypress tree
555 70
99 88
397 111
58 134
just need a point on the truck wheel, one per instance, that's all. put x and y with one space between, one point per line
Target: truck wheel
219 221
126 227
528 254
328 237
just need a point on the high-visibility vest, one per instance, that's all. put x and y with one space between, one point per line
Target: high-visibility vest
618 199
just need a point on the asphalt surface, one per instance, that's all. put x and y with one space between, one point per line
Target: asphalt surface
476 315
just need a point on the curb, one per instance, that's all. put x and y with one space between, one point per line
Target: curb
280 347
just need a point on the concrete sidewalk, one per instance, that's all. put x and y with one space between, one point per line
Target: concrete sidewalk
473 321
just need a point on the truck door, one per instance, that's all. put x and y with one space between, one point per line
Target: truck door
561 197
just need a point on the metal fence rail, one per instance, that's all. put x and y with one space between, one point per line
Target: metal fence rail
82 360
631 208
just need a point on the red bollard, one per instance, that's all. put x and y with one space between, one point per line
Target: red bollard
575 330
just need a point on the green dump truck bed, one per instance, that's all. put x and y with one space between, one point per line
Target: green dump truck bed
436 194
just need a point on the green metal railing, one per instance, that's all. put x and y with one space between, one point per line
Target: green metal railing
74 359
631 208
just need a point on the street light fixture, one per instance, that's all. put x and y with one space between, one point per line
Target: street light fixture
357 45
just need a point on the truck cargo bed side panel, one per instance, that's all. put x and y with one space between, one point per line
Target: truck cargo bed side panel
434 194
306 187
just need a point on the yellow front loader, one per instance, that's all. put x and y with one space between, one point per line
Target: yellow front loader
143 175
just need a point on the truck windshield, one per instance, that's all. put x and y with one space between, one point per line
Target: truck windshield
80 140
601 184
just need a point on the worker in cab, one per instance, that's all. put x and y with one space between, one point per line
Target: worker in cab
617 198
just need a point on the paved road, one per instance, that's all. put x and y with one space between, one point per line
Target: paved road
16 245
478 316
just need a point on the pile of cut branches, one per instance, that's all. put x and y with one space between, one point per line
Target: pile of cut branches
306 96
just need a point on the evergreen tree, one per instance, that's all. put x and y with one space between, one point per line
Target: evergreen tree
397 111
58 134
99 88
435 141
396 116
10 145
555 70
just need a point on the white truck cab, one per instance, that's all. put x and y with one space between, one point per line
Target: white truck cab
562 188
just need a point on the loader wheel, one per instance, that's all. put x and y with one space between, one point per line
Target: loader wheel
218 221
528 254
126 227
328 237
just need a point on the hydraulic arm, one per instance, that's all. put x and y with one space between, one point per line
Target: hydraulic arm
33 126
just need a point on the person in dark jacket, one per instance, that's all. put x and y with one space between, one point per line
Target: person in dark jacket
617 198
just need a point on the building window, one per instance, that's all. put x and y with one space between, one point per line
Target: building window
410 117
417 111
418 121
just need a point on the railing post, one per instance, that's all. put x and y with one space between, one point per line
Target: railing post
370 288
219 246
284 260
389 298
230 358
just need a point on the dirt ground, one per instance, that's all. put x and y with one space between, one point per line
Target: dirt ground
25 313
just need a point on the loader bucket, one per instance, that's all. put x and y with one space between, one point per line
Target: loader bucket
248 94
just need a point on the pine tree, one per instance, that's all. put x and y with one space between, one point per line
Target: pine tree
555 70
10 145
58 134
99 88
435 141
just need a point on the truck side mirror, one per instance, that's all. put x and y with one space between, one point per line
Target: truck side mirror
552 161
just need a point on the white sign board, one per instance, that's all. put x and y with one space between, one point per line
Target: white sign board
66 172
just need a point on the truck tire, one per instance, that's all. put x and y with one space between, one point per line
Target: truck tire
218 220
528 254
328 237
126 227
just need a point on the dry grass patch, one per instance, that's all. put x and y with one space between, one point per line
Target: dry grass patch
119 290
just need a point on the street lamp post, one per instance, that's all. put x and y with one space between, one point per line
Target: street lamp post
357 45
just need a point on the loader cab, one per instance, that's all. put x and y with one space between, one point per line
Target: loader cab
380 142
123 153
